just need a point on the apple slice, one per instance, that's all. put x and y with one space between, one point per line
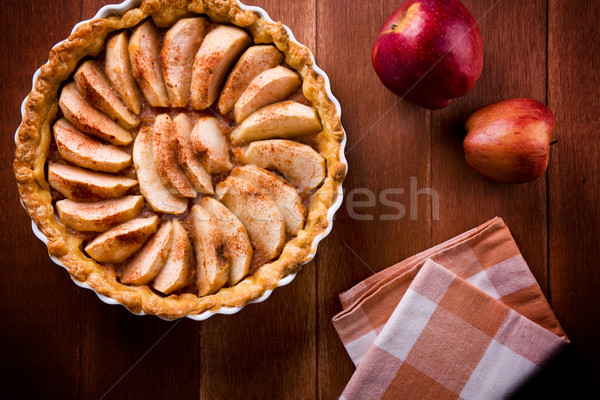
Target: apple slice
177 271
236 238
146 265
211 146
121 242
84 185
269 87
95 89
284 194
164 159
219 50
280 120
144 49
212 261
200 179
301 166
118 71
99 216
149 261
179 49
88 119
254 61
258 212
158 196
86 152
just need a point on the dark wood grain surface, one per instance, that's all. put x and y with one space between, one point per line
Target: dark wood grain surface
59 341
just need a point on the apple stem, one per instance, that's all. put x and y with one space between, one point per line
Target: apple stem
553 142
394 26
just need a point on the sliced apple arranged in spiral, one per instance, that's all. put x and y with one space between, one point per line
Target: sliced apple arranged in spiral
83 185
212 258
156 194
177 56
199 178
96 90
84 151
254 61
100 215
286 119
217 193
236 238
270 86
121 242
117 68
219 50
178 269
285 196
257 211
165 161
144 53
301 166
147 264
210 145
90 120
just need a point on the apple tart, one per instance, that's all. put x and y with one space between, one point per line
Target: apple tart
180 158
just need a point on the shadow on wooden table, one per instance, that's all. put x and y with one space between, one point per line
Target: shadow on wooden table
570 380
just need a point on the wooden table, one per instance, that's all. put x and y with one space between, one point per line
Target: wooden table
59 341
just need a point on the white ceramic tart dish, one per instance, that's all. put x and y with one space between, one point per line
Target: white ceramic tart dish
182 158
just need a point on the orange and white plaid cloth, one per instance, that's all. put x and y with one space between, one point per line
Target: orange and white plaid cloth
463 320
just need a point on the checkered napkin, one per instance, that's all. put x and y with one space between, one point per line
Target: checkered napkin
465 319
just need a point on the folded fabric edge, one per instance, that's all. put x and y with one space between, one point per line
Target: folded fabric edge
515 340
358 326
353 296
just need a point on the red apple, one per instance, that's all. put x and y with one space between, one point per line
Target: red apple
509 141
429 51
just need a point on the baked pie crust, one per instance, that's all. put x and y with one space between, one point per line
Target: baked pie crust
35 138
